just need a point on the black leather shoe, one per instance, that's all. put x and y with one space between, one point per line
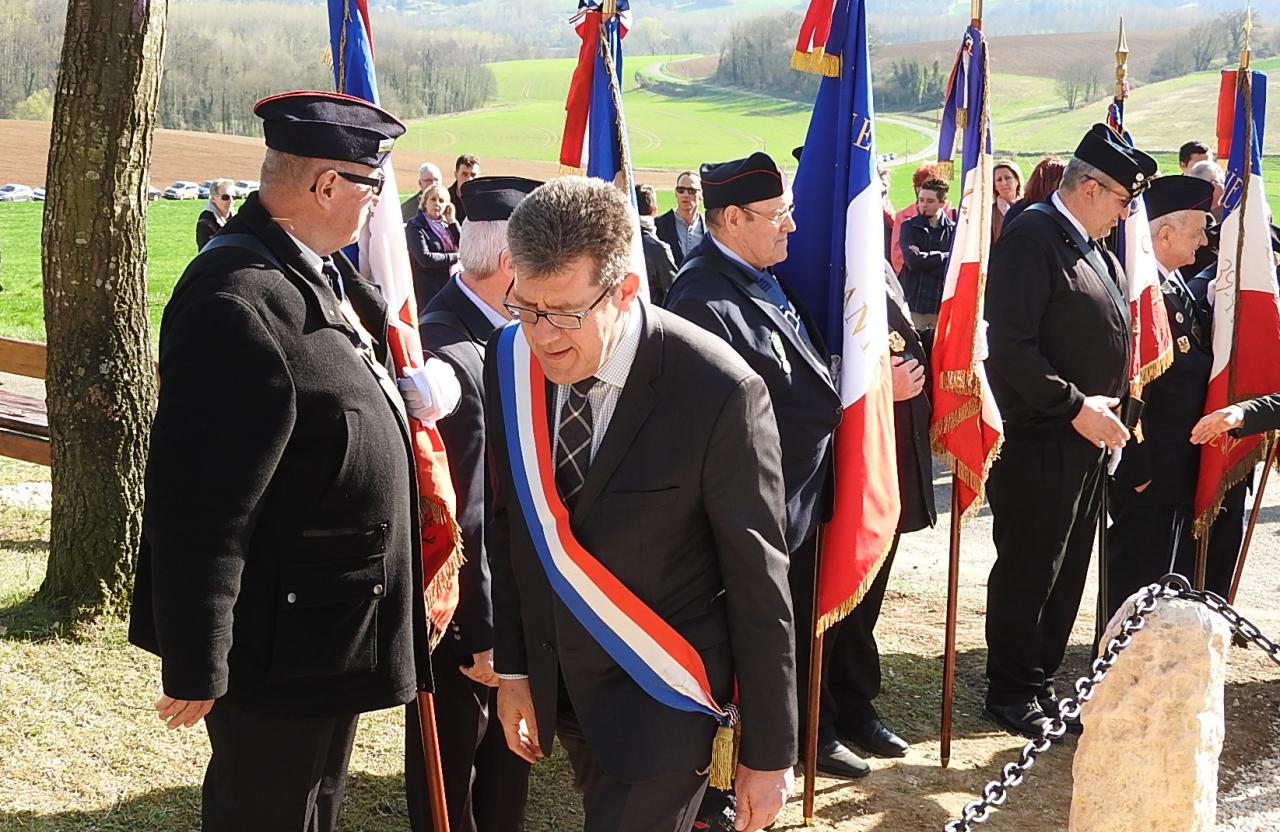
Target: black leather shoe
837 761
1050 707
1024 718
874 737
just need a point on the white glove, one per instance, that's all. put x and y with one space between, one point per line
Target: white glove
1114 462
981 350
430 392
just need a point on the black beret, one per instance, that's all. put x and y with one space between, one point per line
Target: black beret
494 197
328 125
1168 194
796 152
1107 151
742 181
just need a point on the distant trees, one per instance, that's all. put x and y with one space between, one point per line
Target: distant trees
1079 82
756 55
910 85
221 58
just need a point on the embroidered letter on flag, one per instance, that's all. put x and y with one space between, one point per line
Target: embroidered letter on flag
384 259
1246 312
836 265
966 430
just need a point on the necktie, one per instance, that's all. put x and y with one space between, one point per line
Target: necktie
573 452
1189 307
773 291
335 277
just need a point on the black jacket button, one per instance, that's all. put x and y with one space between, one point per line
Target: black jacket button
548 646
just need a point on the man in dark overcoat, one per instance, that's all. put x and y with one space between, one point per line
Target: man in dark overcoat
485 783
727 287
280 579
1059 338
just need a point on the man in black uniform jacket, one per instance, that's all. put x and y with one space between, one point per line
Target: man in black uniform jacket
280 577
1059 338
666 457
1150 503
726 287
855 660
486 785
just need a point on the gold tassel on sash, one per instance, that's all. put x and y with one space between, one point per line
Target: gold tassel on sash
724 756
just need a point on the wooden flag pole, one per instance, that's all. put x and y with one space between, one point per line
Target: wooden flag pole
1253 521
815 690
431 758
949 644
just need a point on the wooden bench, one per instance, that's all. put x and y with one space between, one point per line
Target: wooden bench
24 420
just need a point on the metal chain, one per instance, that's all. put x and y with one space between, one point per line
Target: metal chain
995 793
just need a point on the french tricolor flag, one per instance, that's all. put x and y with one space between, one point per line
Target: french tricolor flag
836 266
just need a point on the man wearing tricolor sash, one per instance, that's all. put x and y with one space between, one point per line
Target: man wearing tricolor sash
639 565
1059 335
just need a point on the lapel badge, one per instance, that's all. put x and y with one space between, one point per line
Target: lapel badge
1184 344
1177 316
897 343
779 351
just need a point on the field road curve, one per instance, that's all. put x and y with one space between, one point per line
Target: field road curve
658 72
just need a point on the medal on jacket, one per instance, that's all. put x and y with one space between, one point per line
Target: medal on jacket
779 351
1184 344
897 344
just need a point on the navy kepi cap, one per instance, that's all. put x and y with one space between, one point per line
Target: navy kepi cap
1168 194
1107 151
490 198
328 125
740 182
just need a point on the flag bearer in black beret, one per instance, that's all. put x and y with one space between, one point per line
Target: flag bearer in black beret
1150 503
726 286
486 784
280 579
1059 339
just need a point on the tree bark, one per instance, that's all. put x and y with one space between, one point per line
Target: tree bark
101 375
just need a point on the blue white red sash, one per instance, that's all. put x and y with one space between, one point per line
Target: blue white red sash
652 653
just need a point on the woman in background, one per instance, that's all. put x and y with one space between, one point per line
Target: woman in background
1008 190
432 235
1044 181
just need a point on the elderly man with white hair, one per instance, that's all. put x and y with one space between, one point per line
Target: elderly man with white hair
428 175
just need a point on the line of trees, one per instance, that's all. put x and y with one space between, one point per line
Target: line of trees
221 58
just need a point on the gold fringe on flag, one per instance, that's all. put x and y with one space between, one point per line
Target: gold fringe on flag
833 617
568 170
818 62
432 513
1152 371
946 169
1230 479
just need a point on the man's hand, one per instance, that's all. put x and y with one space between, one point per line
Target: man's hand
182 713
1097 423
1141 488
481 670
908 378
914 249
761 795
1217 423
430 392
519 725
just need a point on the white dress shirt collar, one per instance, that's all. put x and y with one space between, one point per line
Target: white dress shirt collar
494 317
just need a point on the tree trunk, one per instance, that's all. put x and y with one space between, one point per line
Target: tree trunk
101 376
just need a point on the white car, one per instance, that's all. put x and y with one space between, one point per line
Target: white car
182 190
243 187
204 188
38 194
152 194
16 193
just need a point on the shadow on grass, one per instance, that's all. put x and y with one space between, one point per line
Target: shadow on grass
36 618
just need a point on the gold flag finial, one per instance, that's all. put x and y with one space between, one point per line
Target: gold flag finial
975 9
1248 32
1122 65
1122 45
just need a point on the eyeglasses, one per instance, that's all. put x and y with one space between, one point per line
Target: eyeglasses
684 189
559 320
373 183
1125 197
224 197
776 219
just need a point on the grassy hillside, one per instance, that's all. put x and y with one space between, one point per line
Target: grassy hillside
665 131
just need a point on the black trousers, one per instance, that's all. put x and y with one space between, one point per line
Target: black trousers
486 786
800 576
274 774
854 677
663 804
1045 498
1146 542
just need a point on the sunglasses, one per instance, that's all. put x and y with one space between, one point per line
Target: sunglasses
224 197
373 183
684 189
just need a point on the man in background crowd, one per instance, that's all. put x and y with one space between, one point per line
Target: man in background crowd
682 227
465 168
658 261
929 170
1192 153
925 243
219 209
428 175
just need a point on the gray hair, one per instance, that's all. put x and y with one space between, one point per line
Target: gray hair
428 166
220 186
1177 220
434 189
481 246
1078 171
284 171
569 218
1207 170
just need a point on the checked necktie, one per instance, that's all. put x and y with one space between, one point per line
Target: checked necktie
573 452
334 277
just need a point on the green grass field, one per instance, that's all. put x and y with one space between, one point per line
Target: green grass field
526 121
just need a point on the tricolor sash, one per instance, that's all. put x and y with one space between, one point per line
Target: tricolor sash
653 654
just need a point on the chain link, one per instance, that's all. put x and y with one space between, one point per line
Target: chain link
1170 587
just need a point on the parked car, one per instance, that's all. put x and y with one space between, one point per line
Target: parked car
182 190
152 194
38 194
243 187
204 188
16 193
